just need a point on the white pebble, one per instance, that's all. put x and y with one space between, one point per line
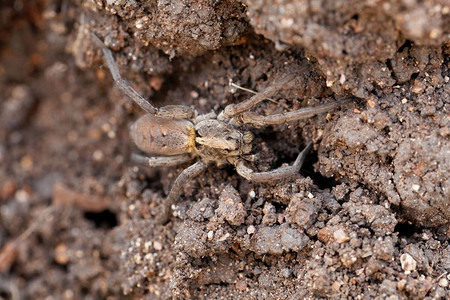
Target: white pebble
415 187
157 245
408 263
98 155
224 237
251 229
194 94
443 282
22 196
340 236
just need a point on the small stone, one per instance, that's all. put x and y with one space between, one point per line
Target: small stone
22 196
97 155
241 285
251 229
324 234
61 256
210 235
401 284
408 263
415 187
137 258
443 282
224 237
340 236
349 258
157 245
8 189
418 87
156 83
194 94
336 286
231 207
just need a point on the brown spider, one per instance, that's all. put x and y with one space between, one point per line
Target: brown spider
176 134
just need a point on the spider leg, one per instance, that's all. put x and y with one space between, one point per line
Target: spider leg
175 191
277 174
300 114
161 161
122 84
233 109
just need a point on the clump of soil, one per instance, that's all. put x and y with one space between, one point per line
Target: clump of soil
367 217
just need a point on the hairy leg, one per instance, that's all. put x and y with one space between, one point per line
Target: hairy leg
175 191
233 109
122 84
277 174
161 161
300 114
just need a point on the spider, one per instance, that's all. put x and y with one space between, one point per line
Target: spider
177 134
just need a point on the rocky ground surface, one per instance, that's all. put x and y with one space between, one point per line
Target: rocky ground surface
367 217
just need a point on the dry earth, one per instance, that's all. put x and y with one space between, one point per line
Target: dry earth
368 217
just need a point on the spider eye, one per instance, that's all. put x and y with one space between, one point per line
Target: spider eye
229 138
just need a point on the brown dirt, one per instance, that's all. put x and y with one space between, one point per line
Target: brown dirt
369 217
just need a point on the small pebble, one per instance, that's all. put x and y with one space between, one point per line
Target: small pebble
443 282
61 256
26 162
241 285
224 237
194 94
8 189
408 263
251 229
97 155
22 196
340 236
401 284
210 235
157 245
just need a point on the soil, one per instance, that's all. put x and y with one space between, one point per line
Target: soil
368 217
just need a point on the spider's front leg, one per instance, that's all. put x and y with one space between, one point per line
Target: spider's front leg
187 174
256 120
274 175
232 110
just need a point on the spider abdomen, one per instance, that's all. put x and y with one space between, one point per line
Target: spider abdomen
163 136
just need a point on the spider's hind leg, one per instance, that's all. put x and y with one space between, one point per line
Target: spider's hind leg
175 191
